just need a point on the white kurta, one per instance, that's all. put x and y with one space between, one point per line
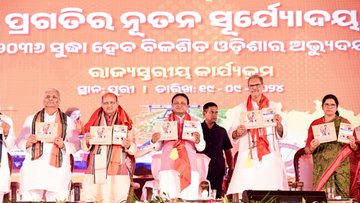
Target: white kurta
39 174
169 181
269 174
115 188
7 146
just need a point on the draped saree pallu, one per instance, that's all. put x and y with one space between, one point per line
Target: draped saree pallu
182 163
260 142
114 153
344 153
37 148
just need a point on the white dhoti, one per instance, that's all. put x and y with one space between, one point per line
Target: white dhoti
114 189
269 174
170 185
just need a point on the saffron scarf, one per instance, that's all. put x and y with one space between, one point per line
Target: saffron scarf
261 141
182 163
115 151
37 148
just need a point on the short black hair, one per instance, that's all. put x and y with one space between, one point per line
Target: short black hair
181 95
208 105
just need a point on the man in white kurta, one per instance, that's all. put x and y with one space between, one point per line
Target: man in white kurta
38 178
169 181
264 172
7 142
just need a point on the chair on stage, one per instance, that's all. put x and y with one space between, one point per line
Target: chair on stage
152 185
133 185
203 168
303 165
202 165
75 187
14 186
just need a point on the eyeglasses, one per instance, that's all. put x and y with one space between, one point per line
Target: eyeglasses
329 105
255 85
111 103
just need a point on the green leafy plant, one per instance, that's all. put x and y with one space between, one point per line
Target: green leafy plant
265 199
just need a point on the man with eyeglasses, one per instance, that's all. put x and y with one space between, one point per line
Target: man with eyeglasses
109 167
46 170
258 165
218 144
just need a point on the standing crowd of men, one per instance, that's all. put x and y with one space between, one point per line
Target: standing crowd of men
46 171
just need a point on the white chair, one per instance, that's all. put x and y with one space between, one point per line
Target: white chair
150 185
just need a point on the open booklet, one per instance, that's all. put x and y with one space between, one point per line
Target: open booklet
345 131
119 134
258 119
326 132
46 132
107 135
188 130
169 130
102 135
268 115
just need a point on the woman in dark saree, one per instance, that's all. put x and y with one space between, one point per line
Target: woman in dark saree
331 159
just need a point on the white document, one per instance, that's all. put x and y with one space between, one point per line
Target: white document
189 128
102 135
252 119
46 132
168 130
268 115
119 134
345 130
324 132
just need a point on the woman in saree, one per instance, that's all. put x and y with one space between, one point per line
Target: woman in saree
331 159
